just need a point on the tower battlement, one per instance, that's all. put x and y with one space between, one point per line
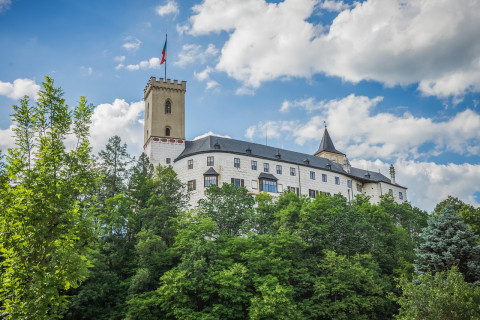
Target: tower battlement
164 84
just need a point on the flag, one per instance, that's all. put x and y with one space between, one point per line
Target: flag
164 53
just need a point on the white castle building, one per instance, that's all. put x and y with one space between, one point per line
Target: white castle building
260 168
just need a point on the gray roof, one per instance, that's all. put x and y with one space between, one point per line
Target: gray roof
211 172
264 175
327 144
207 145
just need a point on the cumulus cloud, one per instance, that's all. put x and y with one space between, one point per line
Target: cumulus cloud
362 134
118 118
210 133
19 88
171 7
435 44
333 6
152 63
5 5
7 138
271 129
119 58
131 44
192 53
429 183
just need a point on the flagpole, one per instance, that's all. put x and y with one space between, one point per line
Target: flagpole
165 58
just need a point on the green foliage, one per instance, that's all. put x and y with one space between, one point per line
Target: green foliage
350 288
45 220
230 207
470 215
443 295
449 242
115 160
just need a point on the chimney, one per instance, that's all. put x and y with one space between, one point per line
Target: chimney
392 174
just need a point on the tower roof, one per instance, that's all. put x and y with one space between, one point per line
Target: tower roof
327 144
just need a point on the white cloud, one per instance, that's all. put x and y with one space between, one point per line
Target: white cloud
119 58
131 44
19 88
203 75
212 84
271 129
360 133
171 7
152 63
334 6
192 53
7 138
87 70
435 44
5 5
429 183
210 133
118 118
181 29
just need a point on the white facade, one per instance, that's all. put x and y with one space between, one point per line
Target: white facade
328 171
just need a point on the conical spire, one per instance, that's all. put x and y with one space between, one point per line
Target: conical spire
327 144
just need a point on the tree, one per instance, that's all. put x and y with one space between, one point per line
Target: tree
45 216
115 160
350 288
448 242
230 207
469 214
443 295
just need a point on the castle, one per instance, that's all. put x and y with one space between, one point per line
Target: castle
260 168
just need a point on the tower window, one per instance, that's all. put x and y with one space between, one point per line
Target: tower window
148 109
168 107
167 132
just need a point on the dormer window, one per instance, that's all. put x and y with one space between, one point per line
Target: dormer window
168 107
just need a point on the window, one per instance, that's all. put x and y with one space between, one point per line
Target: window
168 160
279 169
292 171
167 132
254 165
190 164
191 185
254 184
266 167
400 195
312 193
349 183
312 175
238 182
324 177
168 107
294 190
236 162
359 187
210 161
337 180
268 185
390 192
210 180
148 109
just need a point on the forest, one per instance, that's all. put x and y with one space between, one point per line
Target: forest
109 236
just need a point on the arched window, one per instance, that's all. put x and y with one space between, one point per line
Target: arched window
168 107
167 132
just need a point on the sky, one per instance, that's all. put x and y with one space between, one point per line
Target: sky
396 81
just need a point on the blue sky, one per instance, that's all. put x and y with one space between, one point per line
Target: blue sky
396 81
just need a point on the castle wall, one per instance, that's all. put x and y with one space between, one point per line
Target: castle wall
224 166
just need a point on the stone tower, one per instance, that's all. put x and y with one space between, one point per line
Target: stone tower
164 128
